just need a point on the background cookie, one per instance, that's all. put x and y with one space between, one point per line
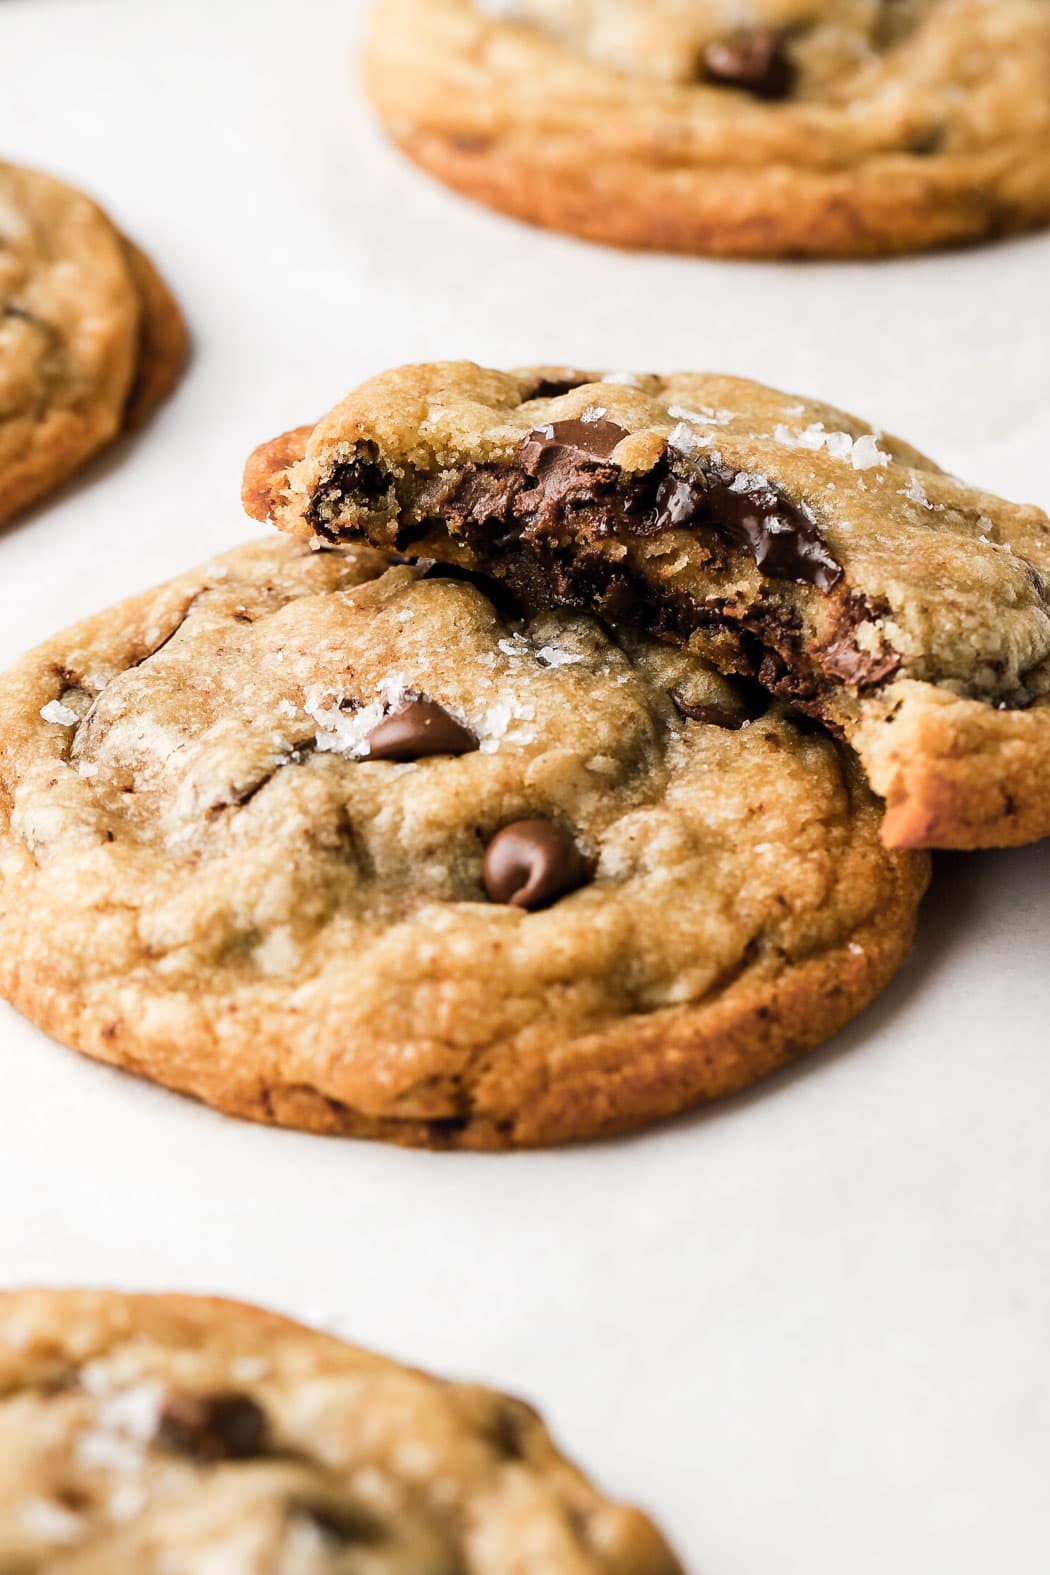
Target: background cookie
145 1434
758 128
347 847
91 339
785 539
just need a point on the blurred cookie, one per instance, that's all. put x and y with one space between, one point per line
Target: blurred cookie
750 128
783 539
91 339
142 1435
356 848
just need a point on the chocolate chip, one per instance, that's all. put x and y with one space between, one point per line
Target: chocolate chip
548 445
752 59
713 715
552 387
212 1427
416 729
531 862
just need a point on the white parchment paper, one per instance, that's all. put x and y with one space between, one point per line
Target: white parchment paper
808 1329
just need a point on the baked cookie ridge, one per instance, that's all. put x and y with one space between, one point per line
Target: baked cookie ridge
784 540
362 848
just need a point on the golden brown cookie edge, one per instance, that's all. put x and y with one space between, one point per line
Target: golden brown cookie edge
164 343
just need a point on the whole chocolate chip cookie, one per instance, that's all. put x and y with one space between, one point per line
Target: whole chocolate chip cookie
783 539
350 846
91 340
143 1435
741 127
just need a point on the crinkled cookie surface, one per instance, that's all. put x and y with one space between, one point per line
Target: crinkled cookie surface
355 847
170 1435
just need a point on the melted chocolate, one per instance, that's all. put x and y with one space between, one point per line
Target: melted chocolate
567 441
781 540
561 459
540 529
552 387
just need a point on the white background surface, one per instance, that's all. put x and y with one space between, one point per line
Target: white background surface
809 1329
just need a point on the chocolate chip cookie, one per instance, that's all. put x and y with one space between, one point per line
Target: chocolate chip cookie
91 339
740 127
782 539
143 1435
354 846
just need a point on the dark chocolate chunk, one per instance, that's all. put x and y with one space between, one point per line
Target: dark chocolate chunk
416 729
783 543
714 715
552 387
569 462
212 1427
479 497
549 445
752 59
679 500
531 862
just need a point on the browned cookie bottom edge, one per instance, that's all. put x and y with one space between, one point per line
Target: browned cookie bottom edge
636 1074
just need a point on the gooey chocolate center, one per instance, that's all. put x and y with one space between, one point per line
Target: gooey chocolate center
553 528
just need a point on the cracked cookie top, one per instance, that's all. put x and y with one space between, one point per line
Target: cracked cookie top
360 847
149 1435
753 127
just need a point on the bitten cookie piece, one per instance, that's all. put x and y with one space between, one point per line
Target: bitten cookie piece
351 847
740 127
91 340
143 1435
783 539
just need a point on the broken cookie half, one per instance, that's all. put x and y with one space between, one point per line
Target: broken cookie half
786 541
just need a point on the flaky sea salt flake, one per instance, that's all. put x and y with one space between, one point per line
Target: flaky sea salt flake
701 416
59 714
50 1521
